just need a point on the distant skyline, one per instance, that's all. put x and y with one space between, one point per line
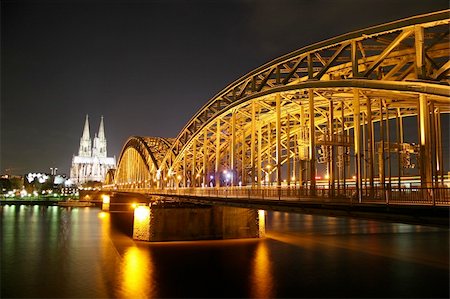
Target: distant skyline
146 66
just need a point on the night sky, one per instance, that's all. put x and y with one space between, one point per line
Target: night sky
146 66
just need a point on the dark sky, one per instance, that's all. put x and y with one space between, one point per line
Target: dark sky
146 66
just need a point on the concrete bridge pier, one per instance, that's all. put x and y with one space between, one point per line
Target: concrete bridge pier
105 202
141 223
184 222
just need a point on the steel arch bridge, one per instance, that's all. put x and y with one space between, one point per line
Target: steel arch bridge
330 115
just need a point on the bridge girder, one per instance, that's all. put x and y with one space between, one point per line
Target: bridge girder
140 159
342 95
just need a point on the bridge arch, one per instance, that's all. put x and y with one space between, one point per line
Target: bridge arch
339 104
139 161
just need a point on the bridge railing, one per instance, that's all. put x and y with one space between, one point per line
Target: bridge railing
376 195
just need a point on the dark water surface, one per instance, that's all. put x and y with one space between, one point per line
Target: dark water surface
56 252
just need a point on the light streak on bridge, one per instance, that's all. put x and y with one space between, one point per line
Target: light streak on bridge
335 110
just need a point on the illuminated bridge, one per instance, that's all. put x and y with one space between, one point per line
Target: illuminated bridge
357 117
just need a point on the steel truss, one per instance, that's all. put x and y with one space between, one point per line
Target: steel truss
338 105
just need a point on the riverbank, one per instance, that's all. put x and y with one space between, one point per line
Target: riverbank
37 200
42 202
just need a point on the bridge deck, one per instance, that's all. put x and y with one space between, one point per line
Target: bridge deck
409 206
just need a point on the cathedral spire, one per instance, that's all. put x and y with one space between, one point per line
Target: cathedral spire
85 141
101 130
100 141
92 162
86 129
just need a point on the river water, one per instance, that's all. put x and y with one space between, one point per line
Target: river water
59 252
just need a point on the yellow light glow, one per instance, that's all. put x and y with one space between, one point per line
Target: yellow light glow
262 277
106 198
262 223
142 213
423 113
141 224
102 215
137 273
327 176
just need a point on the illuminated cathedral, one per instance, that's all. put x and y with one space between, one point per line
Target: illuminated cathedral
92 162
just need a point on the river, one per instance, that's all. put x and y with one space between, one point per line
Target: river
60 252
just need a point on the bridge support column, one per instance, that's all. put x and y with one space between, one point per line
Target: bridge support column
344 148
388 152
288 150
184 179
370 146
232 149
205 159
399 135
252 143
357 137
194 158
278 136
141 223
331 162
259 153
217 174
269 166
425 143
301 147
439 163
261 223
243 157
312 143
105 202
381 155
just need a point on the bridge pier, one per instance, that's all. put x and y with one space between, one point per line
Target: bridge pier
141 223
179 221
105 202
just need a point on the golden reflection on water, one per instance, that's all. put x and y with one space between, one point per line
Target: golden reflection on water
137 270
262 276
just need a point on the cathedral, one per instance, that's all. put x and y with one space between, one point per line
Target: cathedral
92 162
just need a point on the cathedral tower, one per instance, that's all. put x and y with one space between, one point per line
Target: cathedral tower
99 148
85 141
92 161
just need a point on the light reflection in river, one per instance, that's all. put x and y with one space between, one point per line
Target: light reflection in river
262 279
55 252
137 270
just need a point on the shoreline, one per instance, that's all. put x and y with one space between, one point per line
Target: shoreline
36 201
30 202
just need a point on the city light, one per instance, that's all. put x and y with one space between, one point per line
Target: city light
105 198
102 215
142 212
